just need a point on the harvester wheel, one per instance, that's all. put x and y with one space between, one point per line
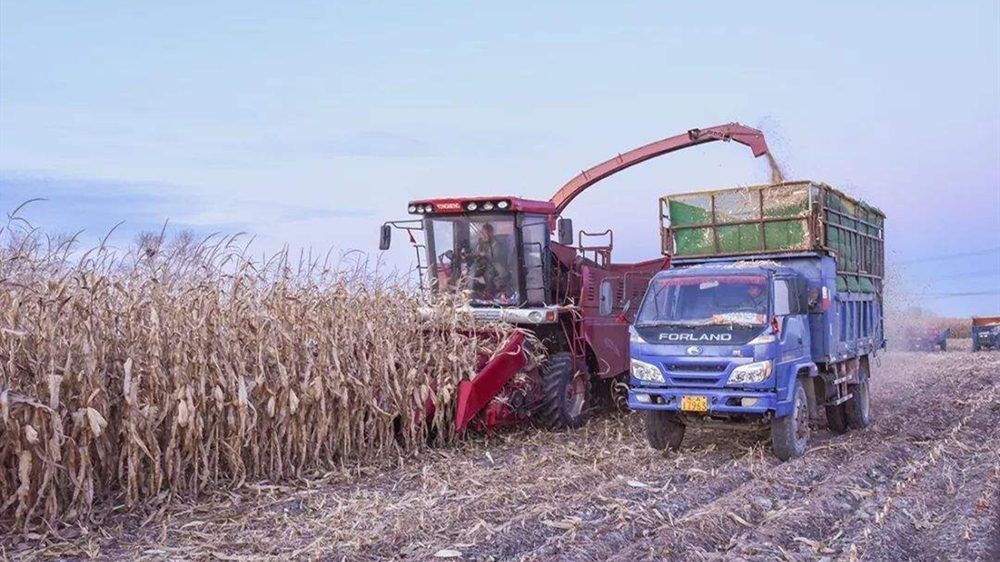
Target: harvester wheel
663 430
790 434
566 393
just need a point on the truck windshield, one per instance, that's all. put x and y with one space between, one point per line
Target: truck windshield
476 254
701 300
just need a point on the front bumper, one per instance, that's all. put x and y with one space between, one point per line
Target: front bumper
720 401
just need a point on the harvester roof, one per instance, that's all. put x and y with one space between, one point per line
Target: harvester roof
502 203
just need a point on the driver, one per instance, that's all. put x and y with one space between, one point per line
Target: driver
492 256
755 297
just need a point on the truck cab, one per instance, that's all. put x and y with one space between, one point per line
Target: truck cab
739 335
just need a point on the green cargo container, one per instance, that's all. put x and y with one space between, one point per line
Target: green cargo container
779 218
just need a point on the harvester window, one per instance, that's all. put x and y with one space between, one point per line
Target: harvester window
475 254
534 241
607 296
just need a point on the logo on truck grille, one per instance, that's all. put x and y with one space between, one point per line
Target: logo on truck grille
673 336
694 350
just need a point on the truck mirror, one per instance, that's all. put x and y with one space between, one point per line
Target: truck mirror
565 228
385 240
625 317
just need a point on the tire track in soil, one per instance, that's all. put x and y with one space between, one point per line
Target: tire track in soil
803 487
850 502
607 539
944 506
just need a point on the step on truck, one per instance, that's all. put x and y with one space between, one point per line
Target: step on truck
985 332
771 312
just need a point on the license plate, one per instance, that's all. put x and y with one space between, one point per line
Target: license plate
694 403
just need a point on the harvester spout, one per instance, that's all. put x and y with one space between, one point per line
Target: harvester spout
731 132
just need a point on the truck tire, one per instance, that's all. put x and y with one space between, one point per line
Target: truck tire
663 430
858 409
566 392
975 348
790 434
836 418
944 345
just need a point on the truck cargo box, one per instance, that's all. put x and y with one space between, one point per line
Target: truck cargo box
778 219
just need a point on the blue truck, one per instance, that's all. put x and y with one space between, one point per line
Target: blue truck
769 318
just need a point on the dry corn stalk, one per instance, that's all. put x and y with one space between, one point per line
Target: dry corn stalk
134 378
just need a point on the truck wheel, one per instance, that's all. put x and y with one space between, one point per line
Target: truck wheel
663 430
944 345
566 393
790 434
975 347
858 409
836 418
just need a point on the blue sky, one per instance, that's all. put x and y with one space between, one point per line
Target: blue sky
308 124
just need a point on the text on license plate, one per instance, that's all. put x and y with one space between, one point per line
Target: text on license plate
694 403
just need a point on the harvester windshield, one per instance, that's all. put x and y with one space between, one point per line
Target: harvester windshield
475 253
705 300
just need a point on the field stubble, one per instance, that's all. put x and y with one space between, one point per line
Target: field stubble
920 484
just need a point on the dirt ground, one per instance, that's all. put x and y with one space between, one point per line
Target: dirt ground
922 483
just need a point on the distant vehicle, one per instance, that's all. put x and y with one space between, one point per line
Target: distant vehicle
926 338
985 332
772 311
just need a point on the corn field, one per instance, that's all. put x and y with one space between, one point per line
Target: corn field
128 378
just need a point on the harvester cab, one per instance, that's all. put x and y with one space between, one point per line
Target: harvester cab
519 262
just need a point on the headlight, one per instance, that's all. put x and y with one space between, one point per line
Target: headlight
752 373
646 371
535 316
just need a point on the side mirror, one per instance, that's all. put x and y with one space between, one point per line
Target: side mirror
385 240
625 317
565 228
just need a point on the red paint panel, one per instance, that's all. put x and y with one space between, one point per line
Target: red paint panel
475 394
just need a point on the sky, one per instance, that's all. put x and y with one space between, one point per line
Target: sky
308 124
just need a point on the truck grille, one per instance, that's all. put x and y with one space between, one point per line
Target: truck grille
696 374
